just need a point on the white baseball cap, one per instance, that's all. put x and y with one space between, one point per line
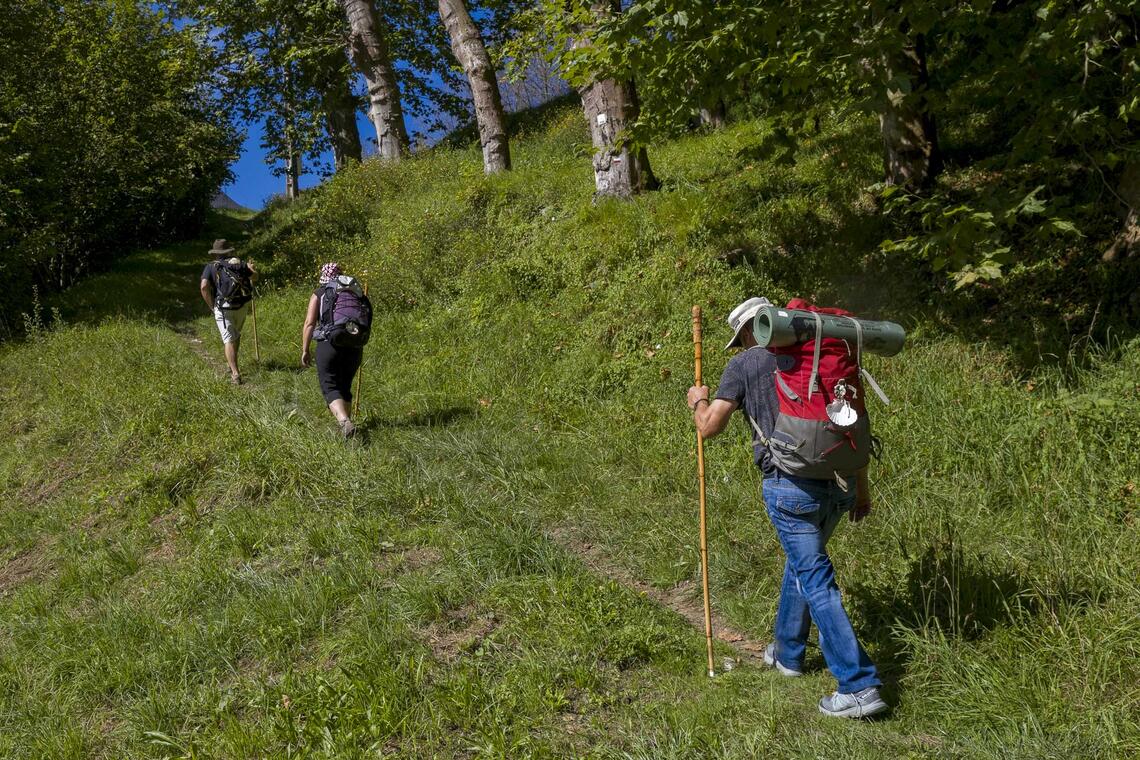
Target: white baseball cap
742 315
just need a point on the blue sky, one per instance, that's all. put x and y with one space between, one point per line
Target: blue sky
254 182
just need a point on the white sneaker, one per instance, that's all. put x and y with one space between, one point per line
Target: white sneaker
771 661
861 704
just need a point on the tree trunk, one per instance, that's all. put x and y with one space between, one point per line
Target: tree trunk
292 173
910 139
1127 242
369 52
340 120
292 154
330 75
611 107
467 44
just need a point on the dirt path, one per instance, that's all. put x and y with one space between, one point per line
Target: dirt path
679 598
198 346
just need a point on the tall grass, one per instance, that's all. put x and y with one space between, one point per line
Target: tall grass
195 570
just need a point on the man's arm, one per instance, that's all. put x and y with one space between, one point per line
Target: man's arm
711 418
862 506
207 289
252 271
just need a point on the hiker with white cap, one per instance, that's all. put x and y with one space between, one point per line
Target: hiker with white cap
804 513
227 289
339 317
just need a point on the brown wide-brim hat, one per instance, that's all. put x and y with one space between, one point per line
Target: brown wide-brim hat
221 247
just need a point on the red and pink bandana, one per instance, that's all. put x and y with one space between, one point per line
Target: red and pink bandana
329 271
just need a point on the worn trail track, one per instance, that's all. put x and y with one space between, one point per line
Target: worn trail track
679 598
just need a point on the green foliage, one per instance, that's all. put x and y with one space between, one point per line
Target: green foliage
1044 90
972 243
275 64
1044 116
109 138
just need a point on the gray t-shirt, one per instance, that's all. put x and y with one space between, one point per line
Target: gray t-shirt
749 381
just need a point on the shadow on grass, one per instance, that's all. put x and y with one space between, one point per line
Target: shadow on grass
275 365
959 596
777 147
439 417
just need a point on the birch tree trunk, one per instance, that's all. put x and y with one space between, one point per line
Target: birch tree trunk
910 139
369 52
292 172
467 44
292 150
611 107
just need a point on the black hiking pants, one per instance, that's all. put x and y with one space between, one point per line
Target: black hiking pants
336 367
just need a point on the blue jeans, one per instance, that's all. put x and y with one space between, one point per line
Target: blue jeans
804 512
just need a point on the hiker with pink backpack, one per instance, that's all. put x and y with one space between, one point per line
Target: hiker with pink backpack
339 318
802 396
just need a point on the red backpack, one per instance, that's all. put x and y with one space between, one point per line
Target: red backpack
822 430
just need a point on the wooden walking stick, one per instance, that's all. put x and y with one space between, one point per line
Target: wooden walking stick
701 482
253 324
359 376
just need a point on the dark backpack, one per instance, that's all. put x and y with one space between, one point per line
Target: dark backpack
345 313
822 430
233 286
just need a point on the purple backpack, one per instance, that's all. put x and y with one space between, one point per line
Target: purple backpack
345 313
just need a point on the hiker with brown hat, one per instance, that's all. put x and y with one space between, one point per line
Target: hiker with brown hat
227 289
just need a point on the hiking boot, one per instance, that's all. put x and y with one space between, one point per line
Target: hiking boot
347 428
861 704
235 379
771 661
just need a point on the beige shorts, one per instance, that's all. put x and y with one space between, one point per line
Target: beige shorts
230 322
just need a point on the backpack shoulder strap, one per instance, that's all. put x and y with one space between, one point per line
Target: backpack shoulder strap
759 433
327 302
859 362
875 386
787 389
815 355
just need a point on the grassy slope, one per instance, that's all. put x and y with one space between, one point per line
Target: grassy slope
194 569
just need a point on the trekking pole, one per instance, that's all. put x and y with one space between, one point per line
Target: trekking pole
359 377
253 324
701 482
